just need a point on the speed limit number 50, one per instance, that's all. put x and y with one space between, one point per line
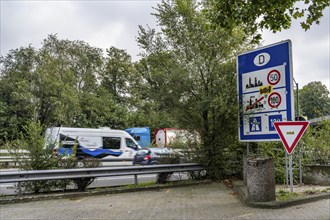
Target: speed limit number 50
274 76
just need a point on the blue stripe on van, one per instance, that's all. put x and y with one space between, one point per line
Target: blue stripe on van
99 151
94 153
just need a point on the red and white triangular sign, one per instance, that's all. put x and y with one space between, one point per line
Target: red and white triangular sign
290 133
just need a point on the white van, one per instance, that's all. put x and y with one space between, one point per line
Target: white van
114 147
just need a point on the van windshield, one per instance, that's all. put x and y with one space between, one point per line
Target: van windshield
131 144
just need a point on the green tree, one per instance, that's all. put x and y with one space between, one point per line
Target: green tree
70 69
272 14
101 110
118 73
314 100
196 65
151 104
16 92
57 85
117 79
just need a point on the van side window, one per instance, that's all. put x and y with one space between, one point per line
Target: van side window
111 142
130 143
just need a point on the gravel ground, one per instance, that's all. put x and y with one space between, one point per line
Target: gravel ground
210 201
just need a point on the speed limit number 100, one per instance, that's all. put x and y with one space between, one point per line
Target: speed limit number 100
273 77
274 100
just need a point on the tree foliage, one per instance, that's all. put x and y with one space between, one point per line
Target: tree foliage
314 100
194 67
16 95
317 143
272 14
118 73
62 83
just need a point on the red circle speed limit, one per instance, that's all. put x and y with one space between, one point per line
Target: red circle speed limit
273 77
274 100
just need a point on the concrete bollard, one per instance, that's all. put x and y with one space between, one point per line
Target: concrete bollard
260 177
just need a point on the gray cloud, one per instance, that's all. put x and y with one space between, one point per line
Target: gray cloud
115 23
100 23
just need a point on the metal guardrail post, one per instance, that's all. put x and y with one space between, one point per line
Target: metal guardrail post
136 179
19 188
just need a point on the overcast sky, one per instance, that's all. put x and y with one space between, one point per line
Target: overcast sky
109 23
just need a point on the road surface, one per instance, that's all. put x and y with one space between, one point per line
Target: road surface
210 201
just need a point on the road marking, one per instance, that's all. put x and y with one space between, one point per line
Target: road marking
245 215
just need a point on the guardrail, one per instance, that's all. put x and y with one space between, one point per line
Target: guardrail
4 151
4 159
35 175
7 158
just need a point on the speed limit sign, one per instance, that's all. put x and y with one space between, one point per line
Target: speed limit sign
274 100
273 77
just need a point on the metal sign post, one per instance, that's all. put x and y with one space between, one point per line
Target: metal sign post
300 170
299 145
286 170
290 133
291 176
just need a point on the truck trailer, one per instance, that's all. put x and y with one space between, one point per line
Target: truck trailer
167 137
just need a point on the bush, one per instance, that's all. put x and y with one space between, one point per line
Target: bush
37 158
197 175
167 159
316 142
182 153
315 149
40 157
228 161
276 150
83 183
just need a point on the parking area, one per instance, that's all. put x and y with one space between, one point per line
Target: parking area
209 201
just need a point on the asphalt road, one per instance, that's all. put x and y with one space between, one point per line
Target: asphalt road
210 201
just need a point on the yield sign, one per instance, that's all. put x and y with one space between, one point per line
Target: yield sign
290 133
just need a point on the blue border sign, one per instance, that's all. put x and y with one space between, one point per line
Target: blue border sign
265 92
